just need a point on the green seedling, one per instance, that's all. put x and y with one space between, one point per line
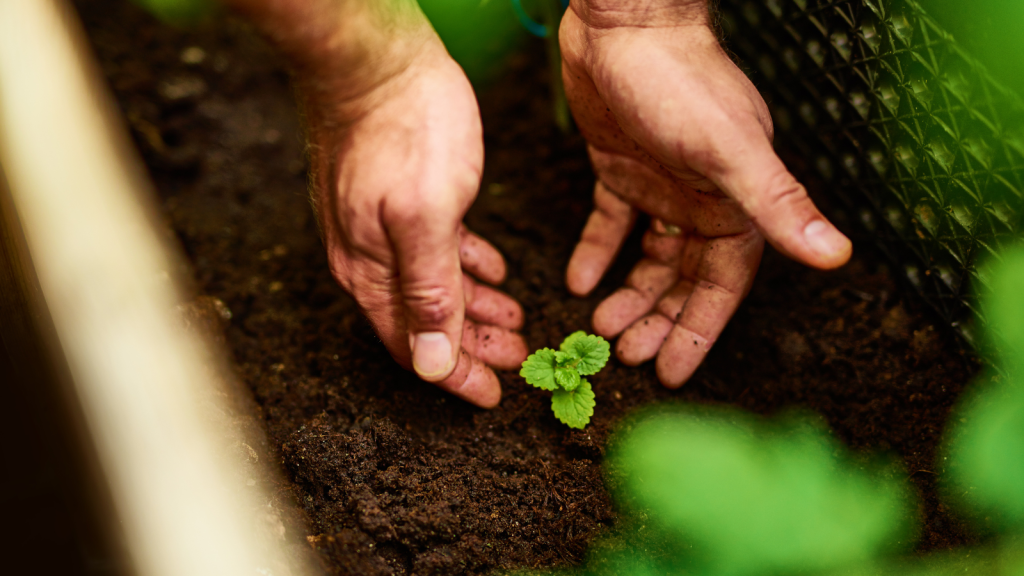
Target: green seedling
707 491
561 372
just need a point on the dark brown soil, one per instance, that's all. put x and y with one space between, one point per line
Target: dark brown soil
399 478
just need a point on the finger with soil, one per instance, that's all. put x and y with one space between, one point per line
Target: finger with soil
606 229
473 381
480 258
646 283
489 306
682 353
495 346
706 311
641 341
672 303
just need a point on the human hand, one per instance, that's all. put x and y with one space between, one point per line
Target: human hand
394 168
676 130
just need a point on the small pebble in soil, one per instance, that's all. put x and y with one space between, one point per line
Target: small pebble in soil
182 87
193 55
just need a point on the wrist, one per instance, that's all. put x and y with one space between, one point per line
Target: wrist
643 13
340 83
340 52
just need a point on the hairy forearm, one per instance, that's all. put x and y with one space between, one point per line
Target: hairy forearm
340 49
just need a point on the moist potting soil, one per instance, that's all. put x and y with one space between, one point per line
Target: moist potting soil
396 477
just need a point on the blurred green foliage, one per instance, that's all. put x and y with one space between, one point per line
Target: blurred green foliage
179 12
990 30
1004 305
716 492
755 497
722 493
988 456
479 34
987 442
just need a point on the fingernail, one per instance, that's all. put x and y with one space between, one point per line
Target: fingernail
431 354
824 239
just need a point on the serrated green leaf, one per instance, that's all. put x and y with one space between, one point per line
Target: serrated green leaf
567 378
565 358
750 496
566 345
593 352
575 408
539 369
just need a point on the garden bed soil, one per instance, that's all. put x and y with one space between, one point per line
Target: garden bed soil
396 477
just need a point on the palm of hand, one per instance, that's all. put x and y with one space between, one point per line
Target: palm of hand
675 130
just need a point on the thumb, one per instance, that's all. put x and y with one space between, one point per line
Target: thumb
430 286
779 205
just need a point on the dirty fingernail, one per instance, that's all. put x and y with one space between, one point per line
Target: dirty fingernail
432 355
824 239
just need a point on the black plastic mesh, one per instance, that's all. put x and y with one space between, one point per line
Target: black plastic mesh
915 137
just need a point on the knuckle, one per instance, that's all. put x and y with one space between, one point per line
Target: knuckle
359 225
431 306
405 212
784 189
417 208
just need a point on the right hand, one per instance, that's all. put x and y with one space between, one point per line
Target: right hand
676 130
394 168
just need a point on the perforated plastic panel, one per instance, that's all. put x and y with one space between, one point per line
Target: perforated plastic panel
915 137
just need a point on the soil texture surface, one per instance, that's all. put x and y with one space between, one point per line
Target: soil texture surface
396 477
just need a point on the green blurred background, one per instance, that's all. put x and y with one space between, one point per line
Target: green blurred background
991 30
479 34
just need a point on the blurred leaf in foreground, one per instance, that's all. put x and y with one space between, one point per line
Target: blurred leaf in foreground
986 445
742 496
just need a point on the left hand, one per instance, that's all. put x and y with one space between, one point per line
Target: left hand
676 130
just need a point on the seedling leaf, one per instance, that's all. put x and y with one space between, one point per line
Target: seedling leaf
575 408
561 371
565 358
567 344
567 378
593 352
539 369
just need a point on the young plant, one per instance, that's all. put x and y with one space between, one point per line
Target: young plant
562 371
716 492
